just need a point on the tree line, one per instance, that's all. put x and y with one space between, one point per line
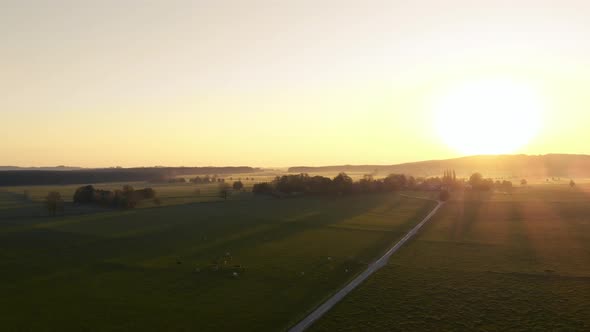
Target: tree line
206 179
343 184
125 198
115 174
340 184
478 182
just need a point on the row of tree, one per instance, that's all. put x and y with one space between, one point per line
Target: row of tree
449 177
125 198
341 184
206 179
478 182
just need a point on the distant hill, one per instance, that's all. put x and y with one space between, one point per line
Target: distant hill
550 165
49 168
90 176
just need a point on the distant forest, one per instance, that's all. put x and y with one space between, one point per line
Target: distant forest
44 177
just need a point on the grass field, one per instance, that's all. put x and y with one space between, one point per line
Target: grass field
151 269
168 193
484 263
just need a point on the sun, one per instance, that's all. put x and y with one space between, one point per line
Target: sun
492 116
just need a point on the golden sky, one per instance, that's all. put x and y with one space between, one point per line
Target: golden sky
277 83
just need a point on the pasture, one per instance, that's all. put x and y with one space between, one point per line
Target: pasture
242 264
491 262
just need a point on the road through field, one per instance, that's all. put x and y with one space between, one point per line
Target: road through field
326 306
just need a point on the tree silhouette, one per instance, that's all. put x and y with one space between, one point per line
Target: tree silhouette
342 183
127 189
54 202
238 185
262 188
475 179
128 197
84 195
223 190
394 182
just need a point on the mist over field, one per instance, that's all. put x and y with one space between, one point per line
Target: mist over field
325 165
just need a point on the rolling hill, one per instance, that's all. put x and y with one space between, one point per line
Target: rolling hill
550 165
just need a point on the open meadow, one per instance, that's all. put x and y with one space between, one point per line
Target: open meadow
243 264
294 166
485 262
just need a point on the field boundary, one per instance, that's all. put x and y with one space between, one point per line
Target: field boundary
374 267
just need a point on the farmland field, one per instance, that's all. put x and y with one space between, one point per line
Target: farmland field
488 262
172 267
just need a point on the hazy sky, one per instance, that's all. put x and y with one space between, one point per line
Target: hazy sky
275 83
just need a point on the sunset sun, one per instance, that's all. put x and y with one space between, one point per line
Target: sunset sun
488 116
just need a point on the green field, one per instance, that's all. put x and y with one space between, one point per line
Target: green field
170 193
488 262
152 268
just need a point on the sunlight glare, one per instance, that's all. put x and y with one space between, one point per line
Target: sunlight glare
488 116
